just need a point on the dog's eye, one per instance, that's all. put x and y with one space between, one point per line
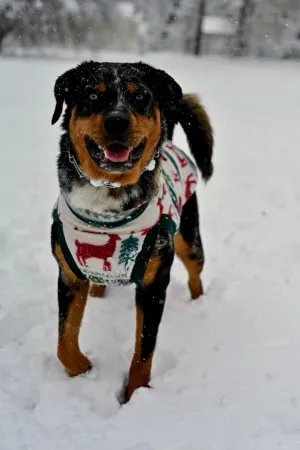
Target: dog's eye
93 96
139 97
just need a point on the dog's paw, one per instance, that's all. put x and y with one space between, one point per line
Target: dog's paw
83 366
196 288
127 391
77 365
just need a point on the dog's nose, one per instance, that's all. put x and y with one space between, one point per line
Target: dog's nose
116 123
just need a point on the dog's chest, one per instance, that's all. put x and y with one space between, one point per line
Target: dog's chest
98 200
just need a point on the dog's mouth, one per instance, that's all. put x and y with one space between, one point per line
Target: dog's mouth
115 156
117 152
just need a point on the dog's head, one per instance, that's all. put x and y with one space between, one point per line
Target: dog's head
115 116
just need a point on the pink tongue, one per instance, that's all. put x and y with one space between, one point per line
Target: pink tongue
117 154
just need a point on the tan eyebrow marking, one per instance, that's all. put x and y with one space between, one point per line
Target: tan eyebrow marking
101 87
132 87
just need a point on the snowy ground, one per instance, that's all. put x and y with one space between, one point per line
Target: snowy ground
227 368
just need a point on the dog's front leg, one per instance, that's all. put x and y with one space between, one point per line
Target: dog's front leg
71 301
72 295
150 300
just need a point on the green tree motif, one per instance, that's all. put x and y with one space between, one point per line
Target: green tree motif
128 251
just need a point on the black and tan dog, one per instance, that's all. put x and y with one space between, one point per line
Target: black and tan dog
117 118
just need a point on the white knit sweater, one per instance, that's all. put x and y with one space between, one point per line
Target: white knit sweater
114 249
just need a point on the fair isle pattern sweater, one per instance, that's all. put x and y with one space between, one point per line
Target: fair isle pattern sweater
114 249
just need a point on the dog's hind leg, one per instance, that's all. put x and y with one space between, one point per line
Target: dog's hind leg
188 245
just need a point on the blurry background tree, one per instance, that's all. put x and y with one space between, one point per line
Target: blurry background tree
225 27
201 10
244 14
11 13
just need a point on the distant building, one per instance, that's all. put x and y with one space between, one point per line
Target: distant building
126 9
217 35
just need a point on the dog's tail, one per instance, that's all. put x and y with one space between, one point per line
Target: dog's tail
197 127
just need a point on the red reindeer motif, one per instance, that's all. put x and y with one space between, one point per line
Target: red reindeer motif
191 179
170 212
176 177
164 190
183 161
170 146
160 205
180 204
86 250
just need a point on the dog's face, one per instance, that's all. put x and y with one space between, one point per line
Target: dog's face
115 116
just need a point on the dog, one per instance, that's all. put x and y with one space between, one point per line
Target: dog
127 199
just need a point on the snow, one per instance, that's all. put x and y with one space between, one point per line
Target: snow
226 368
151 165
98 183
215 25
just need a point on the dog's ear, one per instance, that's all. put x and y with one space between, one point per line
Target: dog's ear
167 91
59 94
61 90
69 83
